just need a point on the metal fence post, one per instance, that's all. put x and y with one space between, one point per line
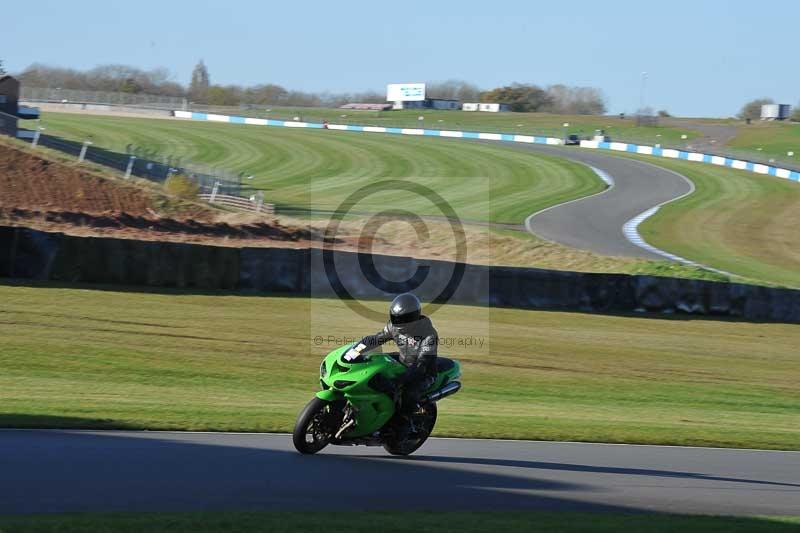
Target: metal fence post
36 136
85 147
130 167
214 192
259 201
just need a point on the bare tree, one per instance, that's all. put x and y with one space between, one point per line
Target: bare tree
159 81
575 100
268 94
2 70
113 78
198 88
453 90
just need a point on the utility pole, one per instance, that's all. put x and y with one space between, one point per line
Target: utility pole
642 92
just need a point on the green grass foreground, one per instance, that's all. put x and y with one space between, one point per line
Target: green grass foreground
80 358
422 522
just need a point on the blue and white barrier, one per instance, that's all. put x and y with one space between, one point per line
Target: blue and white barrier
710 159
530 139
656 151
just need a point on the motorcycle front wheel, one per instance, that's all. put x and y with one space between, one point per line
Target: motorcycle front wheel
315 426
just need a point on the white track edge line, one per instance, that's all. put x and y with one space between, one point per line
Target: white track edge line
463 439
631 228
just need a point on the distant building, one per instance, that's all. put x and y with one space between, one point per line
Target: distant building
775 111
10 110
429 103
493 108
9 99
368 107
487 107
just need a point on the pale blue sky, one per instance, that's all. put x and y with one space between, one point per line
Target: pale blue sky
703 58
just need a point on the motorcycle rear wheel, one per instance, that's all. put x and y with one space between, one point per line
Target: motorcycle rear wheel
311 433
425 419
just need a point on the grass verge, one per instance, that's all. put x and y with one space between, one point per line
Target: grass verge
74 357
736 221
769 138
368 522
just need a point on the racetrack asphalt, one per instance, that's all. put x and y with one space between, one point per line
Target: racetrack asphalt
595 223
47 471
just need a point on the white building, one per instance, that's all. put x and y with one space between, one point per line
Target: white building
486 107
775 111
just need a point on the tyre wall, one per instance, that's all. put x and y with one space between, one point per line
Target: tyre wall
31 254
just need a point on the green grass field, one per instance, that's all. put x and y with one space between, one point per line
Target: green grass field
319 169
396 522
734 211
744 219
487 246
759 139
74 357
770 138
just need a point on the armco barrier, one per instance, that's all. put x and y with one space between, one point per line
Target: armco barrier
26 253
739 164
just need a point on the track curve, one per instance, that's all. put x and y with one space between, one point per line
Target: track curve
595 223
47 471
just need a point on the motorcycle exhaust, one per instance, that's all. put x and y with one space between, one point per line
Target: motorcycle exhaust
448 390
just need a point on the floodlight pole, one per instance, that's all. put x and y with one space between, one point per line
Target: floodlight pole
642 92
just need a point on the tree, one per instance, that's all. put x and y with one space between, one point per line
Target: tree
752 109
2 70
796 114
131 86
663 113
112 78
264 94
229 95
519 96
575 100
198 88
453 90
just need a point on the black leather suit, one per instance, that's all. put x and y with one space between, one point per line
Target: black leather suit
417 343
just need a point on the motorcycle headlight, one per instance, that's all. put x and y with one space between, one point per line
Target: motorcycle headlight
322 370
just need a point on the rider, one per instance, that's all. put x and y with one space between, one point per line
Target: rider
416 341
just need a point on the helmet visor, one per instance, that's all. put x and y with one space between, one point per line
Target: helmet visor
406 318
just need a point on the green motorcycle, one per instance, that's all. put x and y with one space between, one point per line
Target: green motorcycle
357 405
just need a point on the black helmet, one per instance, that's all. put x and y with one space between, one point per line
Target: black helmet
405 309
